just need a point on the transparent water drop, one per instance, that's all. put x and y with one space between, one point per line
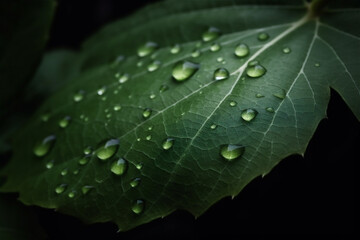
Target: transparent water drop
50 165
241 50
84 160
61 188
263 36
135 182
109 115
138 139
195 53
139 63
153 66
215 47
231 152
211 34
138 206
152 96
286 50
64 122
101 91
255 70
87 150
86 189
122 78
43 147
281 94
45 117
139 166
168 143
147 49
233 104
150 128
107 149
76 171
317 64
270 109
147 112
148 137
220 59
163 88
79 96
221 74
213 126
119 167
183 70
117 108
249 114
259 95
175 49
64 172
71 194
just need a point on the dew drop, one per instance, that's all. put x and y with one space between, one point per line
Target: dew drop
211 34
84 160
76 172
117 108
147 49
270 109
231 151
147 112
150 128
263 36
107 149
175 49
64 172
215 47
213 126
148 137
71 194
221 74
241 50
63 123
248 114
286 50
168 143
138 206
135 182
119 167
152 96
122 78
317 64
139 166
255 70
138 139
61 188
183 70
101 91
45 117
280 94
163 88
153 66
196 53
220 59
139 63
79 96
233 104
259 95
42 148
50 165
85 189
87 150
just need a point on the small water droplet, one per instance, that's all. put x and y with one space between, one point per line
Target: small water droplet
79 96
139 166
87 150
259 95
220 59
213 126
263 36
76 171
135 182
122 78
153 66
241 50
248 114
45 117
175 49
116 92
152 96
195 53
163 88
147 49
211 34
61 188
231 152
101 91
270 109
119 166
139 63
168 143
147 112
150 128
233 104
108 115
255 70
183 70
107 149
148 137
43 147
138 139
85 189
63 123
215 47
286 50
50 164
138 206
71 194
281 94
64 172
317 64
221 74
84 160
117 108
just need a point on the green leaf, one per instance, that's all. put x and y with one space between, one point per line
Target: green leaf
164 120
23 33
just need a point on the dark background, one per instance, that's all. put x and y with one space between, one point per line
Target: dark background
307 195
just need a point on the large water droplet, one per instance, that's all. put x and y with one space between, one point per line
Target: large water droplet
184 70
286 50
215 47
101 91
231 151
196 53
147 112
135 182
63 123
138 206
168 143
146 49
280 94
263 36
42 148
255 70
153 66
61 188
248 114
175 49
85 189
79 96
107 149
211 34
241 50
221 74
119 166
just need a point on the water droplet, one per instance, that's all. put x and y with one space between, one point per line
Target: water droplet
42 148
220 59
84 160
79 96
233 104
163 88
147 112
138 206
76 171
108 115
139 166
183 70
135 182
231 152
196 53
148 137
45 117
259 95
248 114
147 49
270 109
317 64
50 164
168 143
153 66
152 96
286 50
211 34
241 50
119 167
255 70
87 150
64 172
138 139
117 107
63 123
71 194
263 36
139 63
107 149
280 94
101 91
221 74
213 126
85 189
175 49
122 78
150 128
215 47
61 188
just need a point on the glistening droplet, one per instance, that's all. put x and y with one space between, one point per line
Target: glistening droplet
168 143
64 122
255 70
175 49
211 34
135 182
138 206
241 50
221 74
263 36
153 66
231 152
43 147
281 94
147 112
85 189
286 50
119 166
215 47
79 96
147 49
61 188
183 70
107 149
248 114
